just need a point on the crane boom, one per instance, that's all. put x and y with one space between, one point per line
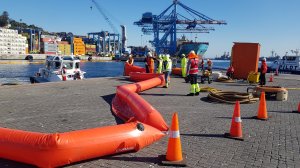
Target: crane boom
105 17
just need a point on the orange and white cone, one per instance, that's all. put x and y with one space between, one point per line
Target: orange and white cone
262 113
236 124
174 156
271 78
299 107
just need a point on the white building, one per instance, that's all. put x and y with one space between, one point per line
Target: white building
11 42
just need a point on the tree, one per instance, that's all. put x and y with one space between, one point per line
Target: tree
4 19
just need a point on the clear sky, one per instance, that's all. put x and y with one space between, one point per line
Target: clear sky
275 24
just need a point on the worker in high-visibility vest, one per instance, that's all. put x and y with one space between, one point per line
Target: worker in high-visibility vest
159 64
192 69
167 69
183 65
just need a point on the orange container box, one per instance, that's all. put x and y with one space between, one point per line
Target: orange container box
245 57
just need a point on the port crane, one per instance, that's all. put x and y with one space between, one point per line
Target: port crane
103 35
170 22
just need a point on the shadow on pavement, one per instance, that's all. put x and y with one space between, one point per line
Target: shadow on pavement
13 164
205 135
154 160
108 99
163 94
283 111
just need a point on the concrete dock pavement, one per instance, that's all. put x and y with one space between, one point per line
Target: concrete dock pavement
67 106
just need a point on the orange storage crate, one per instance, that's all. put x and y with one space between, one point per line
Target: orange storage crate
245 57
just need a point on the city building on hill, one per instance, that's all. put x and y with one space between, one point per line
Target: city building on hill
11 42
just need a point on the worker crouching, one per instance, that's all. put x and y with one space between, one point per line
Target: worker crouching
192 69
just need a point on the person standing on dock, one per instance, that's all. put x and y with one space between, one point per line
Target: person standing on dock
263 71
209 65
149 63
183 65
167 69
192 69
159 64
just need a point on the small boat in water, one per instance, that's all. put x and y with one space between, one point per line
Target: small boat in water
59 68
290 64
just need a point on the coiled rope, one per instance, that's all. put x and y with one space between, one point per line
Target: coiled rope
231 97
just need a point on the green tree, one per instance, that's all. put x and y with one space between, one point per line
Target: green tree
4 19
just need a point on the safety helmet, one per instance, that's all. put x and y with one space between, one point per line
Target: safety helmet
264 59
65 66
192 52
167 56
182 55
160 56
149 54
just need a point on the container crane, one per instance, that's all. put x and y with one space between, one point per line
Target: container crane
170 22
114 29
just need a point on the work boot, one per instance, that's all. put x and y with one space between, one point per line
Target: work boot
197 93
191 94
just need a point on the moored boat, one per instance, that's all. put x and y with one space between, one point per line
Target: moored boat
289 64
59 68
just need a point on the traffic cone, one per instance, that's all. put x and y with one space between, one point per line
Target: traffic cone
262 113
271 78
276 72
298 108
174 156
236 124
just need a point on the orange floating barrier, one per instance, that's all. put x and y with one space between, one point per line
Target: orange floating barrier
177 71
174 155
132 68
128 105
262 113
140 76
57 149
236 124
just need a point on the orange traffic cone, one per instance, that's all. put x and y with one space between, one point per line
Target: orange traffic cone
236 124
276 72
174 156
262 113
299 107
271 78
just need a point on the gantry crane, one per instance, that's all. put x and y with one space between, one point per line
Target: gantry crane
115 33
170 22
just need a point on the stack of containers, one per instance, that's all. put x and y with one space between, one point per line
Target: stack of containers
90 49
64 47
48 45
11 42
79 48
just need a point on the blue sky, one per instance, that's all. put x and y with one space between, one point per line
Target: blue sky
272 23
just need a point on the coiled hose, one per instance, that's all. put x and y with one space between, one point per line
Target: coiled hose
231 97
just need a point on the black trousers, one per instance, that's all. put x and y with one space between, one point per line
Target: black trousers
193 78
262 80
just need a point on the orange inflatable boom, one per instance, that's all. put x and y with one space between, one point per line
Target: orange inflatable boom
131 68
140 76
57 149
128 105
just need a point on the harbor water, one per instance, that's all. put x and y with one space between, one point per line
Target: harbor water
19 73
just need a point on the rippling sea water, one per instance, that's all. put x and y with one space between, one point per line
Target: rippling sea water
20 71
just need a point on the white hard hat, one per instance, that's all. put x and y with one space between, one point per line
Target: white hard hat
264 59
192 52
149 54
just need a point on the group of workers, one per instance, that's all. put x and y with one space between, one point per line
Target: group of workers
190 65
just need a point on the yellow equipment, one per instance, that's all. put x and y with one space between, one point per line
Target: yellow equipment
253 77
